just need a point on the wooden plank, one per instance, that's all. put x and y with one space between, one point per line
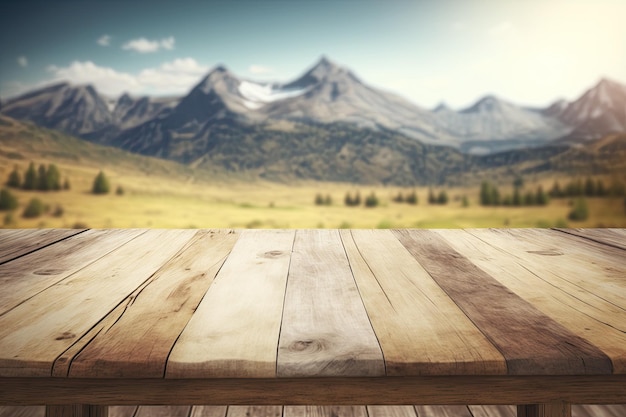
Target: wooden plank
23 411
208 411
546 287
612 410
493 410
451 390
420 329
324 411
122 410
593 267
77 410
255 411
545 410
138 343
391 411
163 411
36 332
234 332
442 411
325 330
30 240
611 237
29 275
531 342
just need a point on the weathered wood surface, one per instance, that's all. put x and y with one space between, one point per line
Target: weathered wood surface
142 305
346 411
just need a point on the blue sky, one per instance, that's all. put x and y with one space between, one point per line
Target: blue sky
530 52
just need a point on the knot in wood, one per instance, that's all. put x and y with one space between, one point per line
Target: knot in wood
65 336
272 254
546 252
306 345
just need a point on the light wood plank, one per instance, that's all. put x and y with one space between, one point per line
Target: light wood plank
550 291
33 273
234 332
36 332
255 411
209 411
325 330
391 411
420 329
611 237
138 343
163 411
442 411
325 411
531 342
493 410
613 410
122 410
23 411
593 267
30 240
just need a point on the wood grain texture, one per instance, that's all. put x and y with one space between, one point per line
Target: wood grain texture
208 411
442 411
325 330
452 390
391 411
163 411
77 410
493 410
325 411
255 411
33 273
531 342
591 266
138 343
549 289
420 329
30 240
545 410
23 411
36 332
611 237
234 332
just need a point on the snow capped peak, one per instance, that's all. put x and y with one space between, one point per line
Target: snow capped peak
441 107
256 95
487 104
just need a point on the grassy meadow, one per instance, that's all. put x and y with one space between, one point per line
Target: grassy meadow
173 202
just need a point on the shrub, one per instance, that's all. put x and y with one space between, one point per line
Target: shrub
580 211
7 200
100 184
398 198
319 200
412 198
35 208
442 198
58 211
371 200
9 219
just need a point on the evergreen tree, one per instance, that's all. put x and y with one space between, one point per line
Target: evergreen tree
357 199
590 187
541 198
371 200
319 200
431 197
42 181
53 178
555 191
517 197
348 201
442 198
485 193
15 179
600 189
7 200
100 184
30 179
529 198
399 198
412 198
495 196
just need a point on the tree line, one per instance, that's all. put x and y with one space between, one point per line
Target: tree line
587 188
490 196
42 179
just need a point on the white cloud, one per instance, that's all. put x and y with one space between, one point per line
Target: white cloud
259 69
143 45
173 77
104 40
22 61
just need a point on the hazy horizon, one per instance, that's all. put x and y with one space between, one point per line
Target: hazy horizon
529 53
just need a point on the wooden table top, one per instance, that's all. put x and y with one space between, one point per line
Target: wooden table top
205 304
